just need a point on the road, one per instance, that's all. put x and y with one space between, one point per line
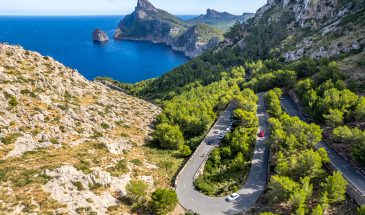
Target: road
348 171
255 184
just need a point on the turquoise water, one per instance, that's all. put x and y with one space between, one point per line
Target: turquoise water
68 40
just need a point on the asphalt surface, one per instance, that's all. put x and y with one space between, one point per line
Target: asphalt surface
251 191
348 171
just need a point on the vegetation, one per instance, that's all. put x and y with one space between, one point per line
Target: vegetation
163 201
298 168
353 137
227 165
136 192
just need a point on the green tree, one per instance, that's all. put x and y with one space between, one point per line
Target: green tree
299 197
334 117
168 136
185 151
335 186
324 201
246 118
163 201
280 188
317 210
310 163
360 110
273 102
361 210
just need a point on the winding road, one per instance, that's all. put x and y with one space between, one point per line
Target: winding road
348 171
250 192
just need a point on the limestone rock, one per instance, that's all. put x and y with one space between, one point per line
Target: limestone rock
100 36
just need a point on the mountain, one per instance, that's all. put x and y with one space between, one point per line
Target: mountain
222 20
66 143
284 32
151 24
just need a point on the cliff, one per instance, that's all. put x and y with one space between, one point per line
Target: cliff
151 24
65 142
221 20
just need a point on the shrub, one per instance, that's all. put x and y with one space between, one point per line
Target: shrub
120 168
13 102
78 185
54 141
163 201
136 190
104 125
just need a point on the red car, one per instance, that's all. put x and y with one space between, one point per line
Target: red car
262 134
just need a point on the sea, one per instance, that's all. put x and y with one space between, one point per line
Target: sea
68 40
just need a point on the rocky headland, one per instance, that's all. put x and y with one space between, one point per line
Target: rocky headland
149 23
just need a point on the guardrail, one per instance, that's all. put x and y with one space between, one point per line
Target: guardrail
352 191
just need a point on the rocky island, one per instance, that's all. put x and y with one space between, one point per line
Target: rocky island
100 36
148 23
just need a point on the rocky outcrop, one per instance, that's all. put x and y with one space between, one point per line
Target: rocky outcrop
63 135
74 189
100 36
315 28
151 24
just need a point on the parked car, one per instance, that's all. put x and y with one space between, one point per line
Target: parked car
233 197
262 134
215 132
221 136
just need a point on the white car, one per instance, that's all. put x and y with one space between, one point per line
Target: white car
221 136
232 197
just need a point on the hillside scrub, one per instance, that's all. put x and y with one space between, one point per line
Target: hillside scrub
228 165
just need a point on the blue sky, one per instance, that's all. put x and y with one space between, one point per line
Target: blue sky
121 7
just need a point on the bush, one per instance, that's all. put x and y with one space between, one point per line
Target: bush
104 125
13 102
78 185
163 201
136 192
120 168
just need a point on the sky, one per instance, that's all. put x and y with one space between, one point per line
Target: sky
122 7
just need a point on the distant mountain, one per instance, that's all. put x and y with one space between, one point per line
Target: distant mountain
222 20
152 24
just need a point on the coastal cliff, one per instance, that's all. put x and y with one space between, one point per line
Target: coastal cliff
155 25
